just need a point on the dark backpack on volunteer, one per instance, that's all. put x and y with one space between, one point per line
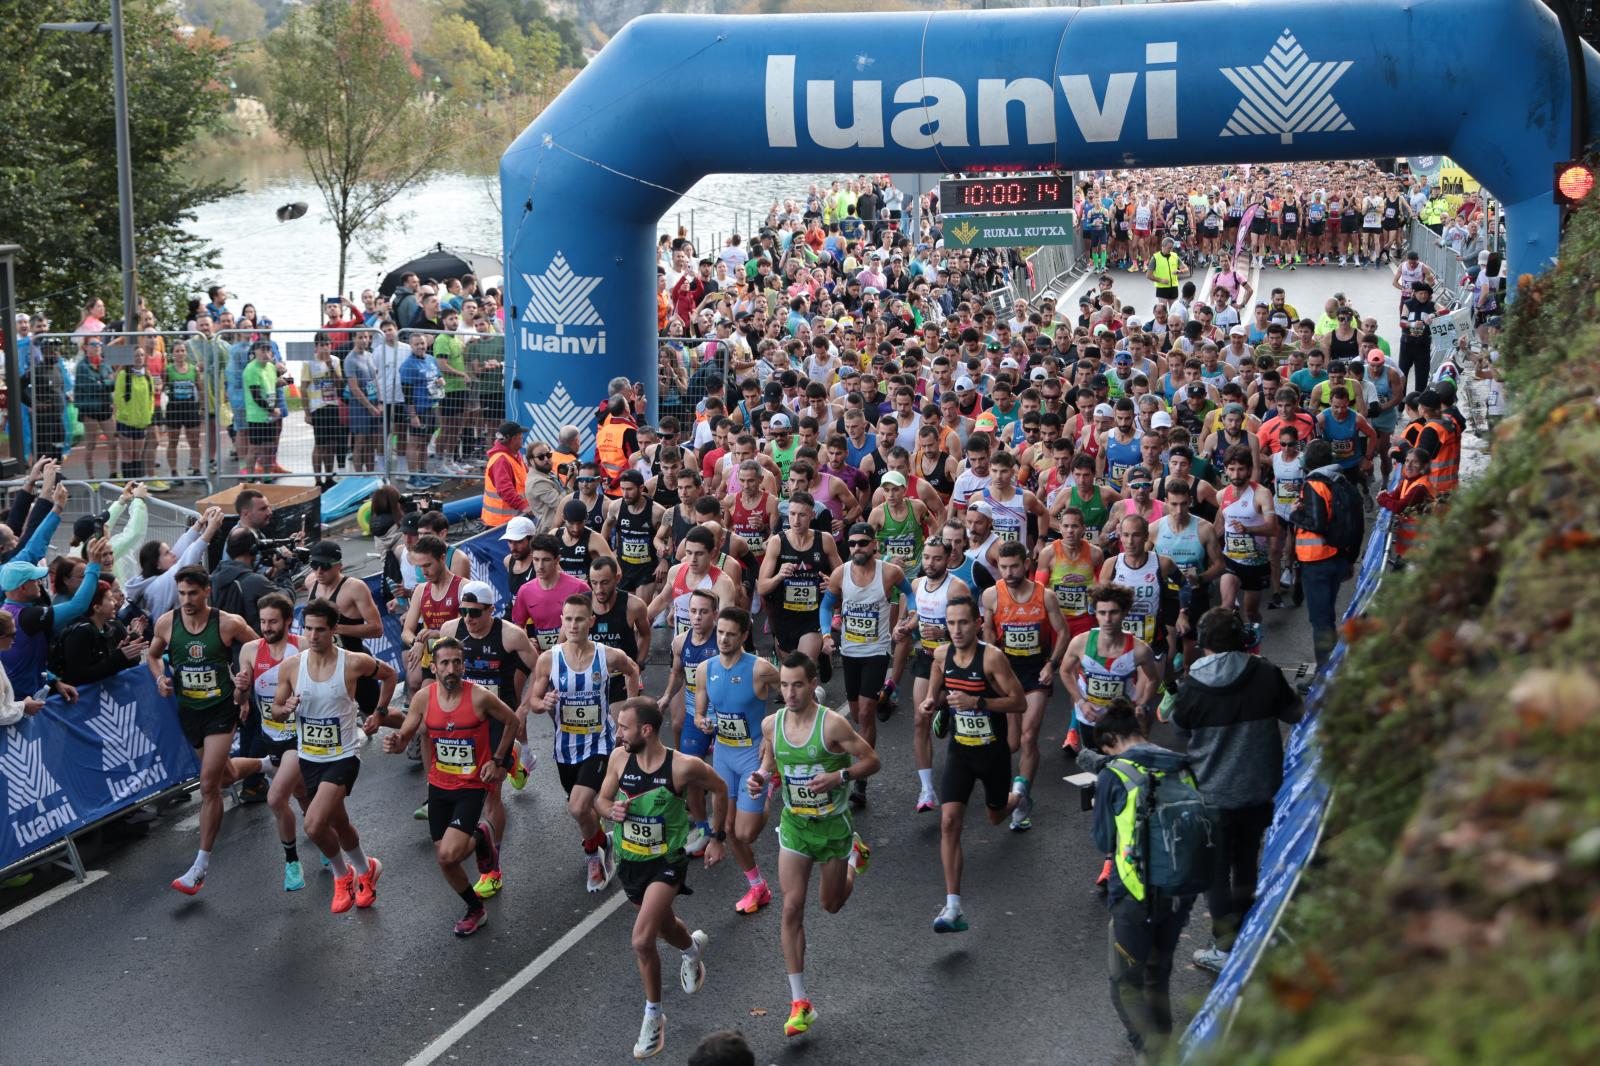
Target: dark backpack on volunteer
1177 834
1347 522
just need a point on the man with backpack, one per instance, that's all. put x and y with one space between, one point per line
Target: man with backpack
1228 708
1328 525
1150 816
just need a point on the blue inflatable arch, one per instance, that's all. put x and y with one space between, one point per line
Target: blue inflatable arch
1483 81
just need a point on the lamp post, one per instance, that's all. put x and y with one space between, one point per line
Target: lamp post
130 301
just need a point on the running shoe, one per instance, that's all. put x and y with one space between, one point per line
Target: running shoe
758 896
941 723
862 852
1164 711
596 867
1211 958
421 813
493 861
949 921
488 884
652 1037
801 1018
16 882
518 775
1020 822
608 860
692 972
1276 603
699 839
1286 579
475 918
190 882
1073 742
159 486
294 876
887 702
344 892
529 758
367 883
927 801
279 468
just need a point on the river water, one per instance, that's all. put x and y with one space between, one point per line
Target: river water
286 268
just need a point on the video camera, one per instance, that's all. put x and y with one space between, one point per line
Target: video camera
284 546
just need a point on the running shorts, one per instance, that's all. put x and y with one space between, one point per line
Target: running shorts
198 723
818 839
965 767
590 773
864 676
454 808
1251 578
637 877
342 772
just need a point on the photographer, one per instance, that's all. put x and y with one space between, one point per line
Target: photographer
37 618
88 527
97 646
255 515
239 583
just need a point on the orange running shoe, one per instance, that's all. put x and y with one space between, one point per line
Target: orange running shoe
367 883
344 892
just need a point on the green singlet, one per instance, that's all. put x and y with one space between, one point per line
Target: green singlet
900 540
814 824
201 662
657 823
1095 511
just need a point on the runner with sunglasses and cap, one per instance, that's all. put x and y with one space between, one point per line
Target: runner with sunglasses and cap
358 611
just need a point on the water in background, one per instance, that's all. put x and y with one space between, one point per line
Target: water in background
286 268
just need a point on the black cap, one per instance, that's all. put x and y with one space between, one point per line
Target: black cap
574 511
508 430
83 529
772 392
861 529
328 551
1446 389
411 523
1196 389
1428 398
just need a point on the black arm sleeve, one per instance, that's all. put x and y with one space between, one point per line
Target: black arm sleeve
20 502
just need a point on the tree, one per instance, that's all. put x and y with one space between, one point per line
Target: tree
237 20
344 88
58 174
469 66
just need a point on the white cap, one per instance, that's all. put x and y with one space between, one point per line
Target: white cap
982 507
520 528
1237 330
1038 373
778 422
1104 410
1161 420
963 383
478 592
1008 363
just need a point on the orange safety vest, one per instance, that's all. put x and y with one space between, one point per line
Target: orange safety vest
1444 468
1312 547
563 461
1405 522
608 452
496 512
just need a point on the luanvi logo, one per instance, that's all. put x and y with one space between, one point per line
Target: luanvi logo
29 785
546 419
124 748
560 297
1286 93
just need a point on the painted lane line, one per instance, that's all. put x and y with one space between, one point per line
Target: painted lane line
45 899
502 995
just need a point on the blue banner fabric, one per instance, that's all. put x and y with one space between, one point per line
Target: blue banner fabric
72 764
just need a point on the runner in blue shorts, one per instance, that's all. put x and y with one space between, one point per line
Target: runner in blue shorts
731 702
689 649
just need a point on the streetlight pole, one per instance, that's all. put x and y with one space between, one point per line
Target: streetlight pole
119 74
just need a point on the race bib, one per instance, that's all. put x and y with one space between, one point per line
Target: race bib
198 682
580 717
733 730
273 729
547 638
644 835
1008 533
1239 546
1072 599
436 387
800 597
635 551
1103 689
456 756
1344 449
756 540
802 800
1288 491
932 634
973 728
1141 626
320 736
1022 640
861 627
1117 471
899 550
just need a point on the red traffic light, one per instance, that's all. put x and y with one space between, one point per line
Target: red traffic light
1574 181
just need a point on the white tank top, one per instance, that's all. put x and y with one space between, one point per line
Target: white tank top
326 715
1146 585
931 604
1246 549
865 628
1287 476
1010 516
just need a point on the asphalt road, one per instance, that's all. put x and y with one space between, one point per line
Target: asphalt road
125 969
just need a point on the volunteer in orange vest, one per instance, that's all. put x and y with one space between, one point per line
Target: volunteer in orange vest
1321 569
616 443
1440 442
505 477
1409 502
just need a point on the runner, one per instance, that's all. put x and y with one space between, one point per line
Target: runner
620 620
257 681
498 657
695 572
1197 550
578 541
571 684
934 589
1246 525
630 527
1287 474
437 600
1154 581
793 569
324 709
537 607
643 795
358 611
1022 619
465 766
197 640
862 588
1066 568
518 560
812 753
971 691
731 692
689 649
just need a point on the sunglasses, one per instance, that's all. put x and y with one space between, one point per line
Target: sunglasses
472 612
862 543
542 457
1140 484
318 564
583 480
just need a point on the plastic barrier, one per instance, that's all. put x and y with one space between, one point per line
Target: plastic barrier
1297 817
71 765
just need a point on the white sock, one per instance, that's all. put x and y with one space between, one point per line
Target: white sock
337 864
269 769
358 859
952 904
202 861
652 1010
797 986
925 777
850 860
692 952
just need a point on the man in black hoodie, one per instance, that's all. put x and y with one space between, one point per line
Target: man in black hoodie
1228 710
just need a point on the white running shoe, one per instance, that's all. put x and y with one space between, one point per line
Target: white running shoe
596 871
697 841
692 974
652 1037
608 861
1211 958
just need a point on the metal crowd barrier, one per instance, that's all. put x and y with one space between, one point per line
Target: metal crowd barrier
1444 263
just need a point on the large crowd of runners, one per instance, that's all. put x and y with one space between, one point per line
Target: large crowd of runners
1030 509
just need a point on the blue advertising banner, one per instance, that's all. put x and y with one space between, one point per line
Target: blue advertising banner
72 764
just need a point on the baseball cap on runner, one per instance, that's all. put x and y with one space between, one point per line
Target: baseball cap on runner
520 528
1104 410
478 592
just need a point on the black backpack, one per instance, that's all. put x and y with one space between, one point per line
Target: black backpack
1347 522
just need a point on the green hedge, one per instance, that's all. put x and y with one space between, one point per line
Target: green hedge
1452 914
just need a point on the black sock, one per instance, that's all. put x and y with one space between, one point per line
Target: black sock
471 898
290 852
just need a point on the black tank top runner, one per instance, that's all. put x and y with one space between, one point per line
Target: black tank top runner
348 643
635 782
597 514
1338 349
515 580
808 573
613 630
971 679
635 535
666 495
940 479
488 663
574 558
680 527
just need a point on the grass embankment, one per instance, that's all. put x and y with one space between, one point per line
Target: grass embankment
1453 913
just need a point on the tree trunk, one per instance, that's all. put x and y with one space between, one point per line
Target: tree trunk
344 251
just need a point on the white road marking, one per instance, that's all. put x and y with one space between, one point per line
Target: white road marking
1203 294
45 899
502 995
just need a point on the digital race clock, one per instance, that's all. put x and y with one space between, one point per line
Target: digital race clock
1031 192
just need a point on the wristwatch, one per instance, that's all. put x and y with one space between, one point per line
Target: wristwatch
720 836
